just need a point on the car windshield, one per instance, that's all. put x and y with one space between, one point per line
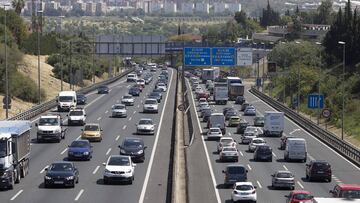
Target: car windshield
145 122
226 141
79 144
48 121
215 130
260 119
119 161
103 87
231 113
61 167
229 149
321 165
302 197
351 194
132 143
127 97
258 141
3 148
244 187
153 94
234 119
91 128
250 129
284 175
150 101
75 113
66 98
80 96
264 150
236 170
119 107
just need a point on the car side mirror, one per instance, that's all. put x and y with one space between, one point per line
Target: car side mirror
134 165
82 129
104 164
247 171
287 196
84 114
145 147
101 130
68 145
255 187
223 171
307 165
119 146
331 192
272 175
36 124
46 169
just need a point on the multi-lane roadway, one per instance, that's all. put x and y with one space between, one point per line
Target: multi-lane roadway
151 176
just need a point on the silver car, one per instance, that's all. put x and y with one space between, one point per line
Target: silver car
118 110
229 154
250 111
283 179
226 142
128 100
145 126
249 133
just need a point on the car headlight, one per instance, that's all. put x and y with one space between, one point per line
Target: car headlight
86 153
152 128
129 171
122 151
57 131
70 178
47 177
107 171
140 151
70 152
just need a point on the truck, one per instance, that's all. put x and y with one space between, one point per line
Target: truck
66 100
233 80
14 152
235 90
50 128
210 74
274 123
217 120
220 93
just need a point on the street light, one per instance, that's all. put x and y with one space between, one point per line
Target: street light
6 68
343 91
318 105
40 12
61 55
263 68
298 92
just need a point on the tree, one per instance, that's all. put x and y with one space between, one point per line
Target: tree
18 5
324 12
240 17
269 17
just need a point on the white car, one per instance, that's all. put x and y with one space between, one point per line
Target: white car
225 142
204 106
244 191
256 142
162 86
249 133
150 105
118 110
140 82
119 167
145 126
202 100
214 133
131 77
77 116
198 89
128 100
203 103
229 154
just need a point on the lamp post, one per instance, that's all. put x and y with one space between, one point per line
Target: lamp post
298 92
318 105
61 55
263 67
40 12
6 67
93 55
343 91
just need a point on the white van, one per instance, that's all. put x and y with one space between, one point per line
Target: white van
66 100
131 77
217 120
274 123
295 149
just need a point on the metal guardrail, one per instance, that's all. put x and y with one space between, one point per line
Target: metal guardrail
41 108
346 149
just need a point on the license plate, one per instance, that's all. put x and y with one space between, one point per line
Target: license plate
58 182
320 172
243 193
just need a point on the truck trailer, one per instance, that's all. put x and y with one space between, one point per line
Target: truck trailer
235 90
14 152
210 74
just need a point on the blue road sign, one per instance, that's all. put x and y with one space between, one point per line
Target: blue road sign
313 101
258 82
197 56
223 56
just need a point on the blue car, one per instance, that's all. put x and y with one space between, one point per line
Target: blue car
80 150
250 111
134 91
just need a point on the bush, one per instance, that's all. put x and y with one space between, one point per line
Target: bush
23 88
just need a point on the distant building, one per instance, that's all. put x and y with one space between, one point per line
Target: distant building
146 6
202 8
187 8
155 7
219 7
90 8
65 2
100 8
170 7
233 7
52 5
79 6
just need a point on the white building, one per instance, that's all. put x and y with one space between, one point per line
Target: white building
90 8
187 8
170 7
100 8
219 7
155 7
52 5
80 6
202 8
233 7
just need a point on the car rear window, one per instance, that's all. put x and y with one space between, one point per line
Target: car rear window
351 194
244 187
284 175
236 170
302 197
321 165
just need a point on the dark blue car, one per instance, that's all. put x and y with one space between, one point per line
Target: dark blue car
80 150
134 91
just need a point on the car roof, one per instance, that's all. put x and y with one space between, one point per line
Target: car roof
235 165
349 186
258 138
62 162
300 192
87 124
133 138
149 119
283 171
215 128
226 138
118 156
243 183
150 99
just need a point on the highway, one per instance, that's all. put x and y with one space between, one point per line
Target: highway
151 177
260 172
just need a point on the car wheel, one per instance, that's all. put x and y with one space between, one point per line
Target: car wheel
106 181
307 177
46 185
130 182
77 180
292 188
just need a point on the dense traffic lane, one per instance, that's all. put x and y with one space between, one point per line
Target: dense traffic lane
90 172
259 172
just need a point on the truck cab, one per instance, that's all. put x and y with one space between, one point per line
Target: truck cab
66 100
50 128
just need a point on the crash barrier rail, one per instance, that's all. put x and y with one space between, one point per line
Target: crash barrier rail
346 149
41 108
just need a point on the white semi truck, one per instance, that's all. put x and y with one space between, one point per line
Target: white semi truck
14 152
210 74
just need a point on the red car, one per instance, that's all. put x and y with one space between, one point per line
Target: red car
205 95
297 196
351 191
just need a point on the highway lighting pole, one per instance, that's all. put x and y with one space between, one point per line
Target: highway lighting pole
6 68
298 92
263 68
343 91
38 46
318 105
61 55
93 56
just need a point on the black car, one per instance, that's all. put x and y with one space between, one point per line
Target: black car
134 91
241 127
263 152
227 109
103 89
240 100
320 170
155 95
244 105
133 147
61 173
259 121
81 99
158 90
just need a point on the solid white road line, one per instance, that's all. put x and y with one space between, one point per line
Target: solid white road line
79 195
108 151
124 127
260 186
93 101
117 137
249 167
302 187
16 195
42 171
206 151
148 171
64 151
78 137
96 169
130 118
311 158
286 169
